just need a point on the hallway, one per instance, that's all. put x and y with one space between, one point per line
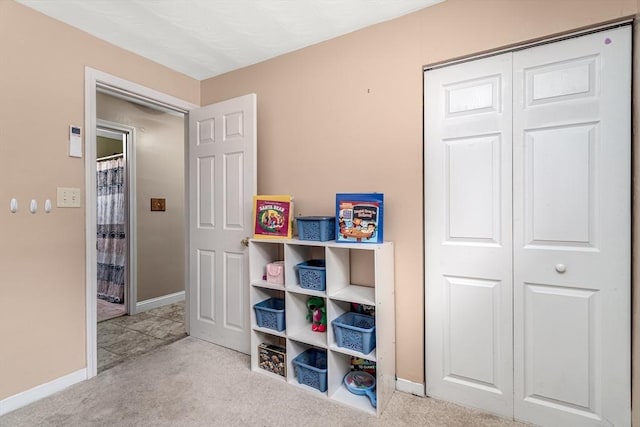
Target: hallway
127 337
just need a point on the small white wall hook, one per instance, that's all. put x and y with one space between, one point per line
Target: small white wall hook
13 206
34 206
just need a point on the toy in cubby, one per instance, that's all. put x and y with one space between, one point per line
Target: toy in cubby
361 364
361 379
274 273
369 310
317 314
362 384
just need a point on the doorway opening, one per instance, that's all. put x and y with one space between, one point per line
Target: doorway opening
112 220
140 227
139 97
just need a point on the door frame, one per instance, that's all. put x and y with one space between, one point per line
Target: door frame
570 34
96 80
131 265
635 188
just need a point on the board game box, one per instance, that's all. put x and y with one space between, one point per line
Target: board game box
273 216
359 217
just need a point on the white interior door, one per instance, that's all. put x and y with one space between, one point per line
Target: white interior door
572 233
222 183
553 264
468 234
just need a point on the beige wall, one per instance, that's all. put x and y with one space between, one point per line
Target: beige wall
346 115
159 165
42 257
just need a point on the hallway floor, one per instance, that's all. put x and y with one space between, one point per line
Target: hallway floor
127 337
109 310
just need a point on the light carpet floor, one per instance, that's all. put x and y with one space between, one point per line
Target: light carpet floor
195 383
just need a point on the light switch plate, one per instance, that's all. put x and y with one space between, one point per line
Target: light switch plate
68 197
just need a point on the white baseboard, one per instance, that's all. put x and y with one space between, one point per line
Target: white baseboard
406 386
149 304
26 397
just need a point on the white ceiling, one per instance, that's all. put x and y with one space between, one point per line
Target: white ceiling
205 38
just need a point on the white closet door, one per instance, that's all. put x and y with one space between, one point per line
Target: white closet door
468 234
572 231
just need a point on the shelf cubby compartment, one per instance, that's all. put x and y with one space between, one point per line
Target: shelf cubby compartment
263 254
259 294
295 254
340 366
336 309
294 349
351 275
298 327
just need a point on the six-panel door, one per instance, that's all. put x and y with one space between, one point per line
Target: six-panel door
222 183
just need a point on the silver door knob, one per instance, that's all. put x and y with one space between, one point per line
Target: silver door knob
245 241
561 268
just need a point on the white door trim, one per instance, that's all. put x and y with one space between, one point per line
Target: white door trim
131 287
94 80
474 57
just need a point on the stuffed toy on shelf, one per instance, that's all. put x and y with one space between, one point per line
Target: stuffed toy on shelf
317 314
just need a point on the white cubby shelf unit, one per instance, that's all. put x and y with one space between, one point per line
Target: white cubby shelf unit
342 259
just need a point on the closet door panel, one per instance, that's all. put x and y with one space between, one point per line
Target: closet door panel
559 367
560 179
472 174
468 234
471 305
572 231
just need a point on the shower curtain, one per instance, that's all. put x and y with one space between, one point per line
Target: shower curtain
111 230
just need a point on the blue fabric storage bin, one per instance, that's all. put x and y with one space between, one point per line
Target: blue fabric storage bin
312 274
319 228
311 368
355 331
270 314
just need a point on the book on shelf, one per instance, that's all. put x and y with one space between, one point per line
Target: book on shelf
273 216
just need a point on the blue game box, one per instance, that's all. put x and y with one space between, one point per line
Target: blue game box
359 217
